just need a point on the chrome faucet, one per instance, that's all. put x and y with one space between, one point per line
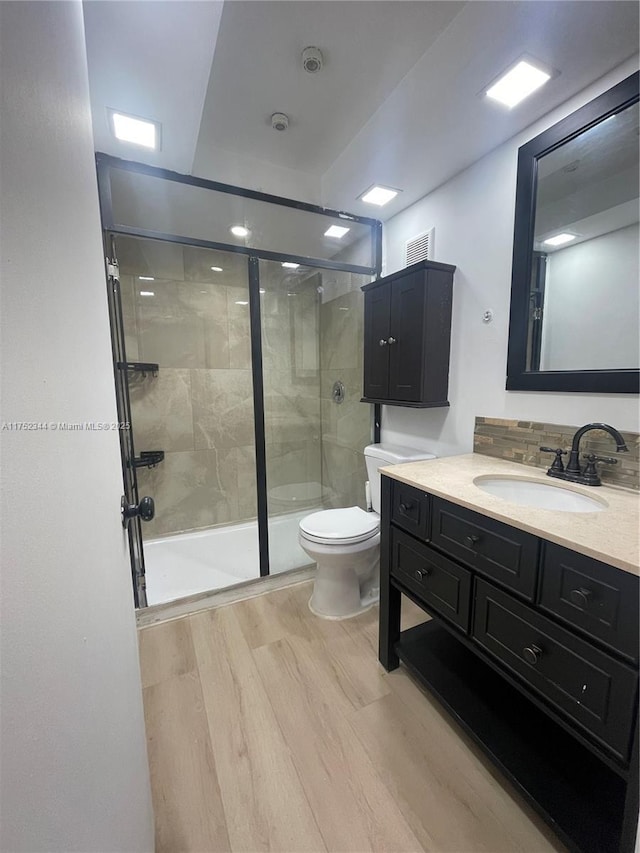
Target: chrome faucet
588 475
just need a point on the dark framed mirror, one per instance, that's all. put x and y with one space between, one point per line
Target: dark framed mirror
574 322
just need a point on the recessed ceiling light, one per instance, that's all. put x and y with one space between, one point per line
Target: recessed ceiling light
239 231
379 195
139 131
289 265
147 293
336 231
559 239
242 303
146 278
217 269
517 83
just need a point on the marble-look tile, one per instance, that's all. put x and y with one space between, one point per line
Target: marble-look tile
239 330
290 330
183 324
292 406
198 263
191 490
161 411
293 462
341 332
150 257
347 424
129 318
344 473
222 408
351 378
247 491
207 303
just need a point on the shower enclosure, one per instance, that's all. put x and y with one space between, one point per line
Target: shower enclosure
226 352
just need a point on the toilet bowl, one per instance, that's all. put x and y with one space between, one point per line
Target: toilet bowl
345 544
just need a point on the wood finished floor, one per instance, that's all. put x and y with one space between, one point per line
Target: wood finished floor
271 729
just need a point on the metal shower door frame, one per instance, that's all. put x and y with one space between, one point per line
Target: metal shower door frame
111 229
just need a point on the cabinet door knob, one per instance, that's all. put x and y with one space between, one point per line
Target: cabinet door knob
421 574
392 341
382 342
472 540
405 507
531 654
581 597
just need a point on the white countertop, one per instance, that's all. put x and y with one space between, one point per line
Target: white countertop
611 535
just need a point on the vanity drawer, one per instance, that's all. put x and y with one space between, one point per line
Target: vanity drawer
594 690
443 586
497 550
599 600
410 509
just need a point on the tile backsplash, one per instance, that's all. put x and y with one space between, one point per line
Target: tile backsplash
520 441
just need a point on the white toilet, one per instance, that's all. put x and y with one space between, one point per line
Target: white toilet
345 543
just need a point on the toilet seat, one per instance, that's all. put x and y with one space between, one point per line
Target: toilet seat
346 526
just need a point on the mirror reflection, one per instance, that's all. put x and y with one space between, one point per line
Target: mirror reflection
583 299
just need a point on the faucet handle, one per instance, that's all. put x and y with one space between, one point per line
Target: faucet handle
557 462
591 457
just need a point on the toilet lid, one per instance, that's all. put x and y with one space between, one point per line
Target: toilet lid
351 525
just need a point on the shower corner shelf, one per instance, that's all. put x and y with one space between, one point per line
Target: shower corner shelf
148 459
142 367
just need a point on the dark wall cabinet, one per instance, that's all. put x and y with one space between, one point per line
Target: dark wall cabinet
407 335
534 650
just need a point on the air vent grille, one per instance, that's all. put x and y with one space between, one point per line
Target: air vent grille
420 247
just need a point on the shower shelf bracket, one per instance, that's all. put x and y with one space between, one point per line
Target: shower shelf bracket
142 367
148 459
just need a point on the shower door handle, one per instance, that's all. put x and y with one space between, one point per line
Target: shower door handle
146 509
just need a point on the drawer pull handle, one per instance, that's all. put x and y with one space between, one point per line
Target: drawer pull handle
406 507
531 654
472 541
581 597
421 574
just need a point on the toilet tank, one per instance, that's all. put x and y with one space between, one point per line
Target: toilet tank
380 455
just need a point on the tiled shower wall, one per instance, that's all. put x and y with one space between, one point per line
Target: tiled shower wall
520 441
346 427
199 408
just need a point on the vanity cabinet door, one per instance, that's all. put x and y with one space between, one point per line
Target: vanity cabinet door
497 550
599 600
442 585
410 509
591 688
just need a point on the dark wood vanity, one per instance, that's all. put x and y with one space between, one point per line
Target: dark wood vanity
532 648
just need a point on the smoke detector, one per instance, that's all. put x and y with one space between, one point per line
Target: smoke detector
312 60
279 121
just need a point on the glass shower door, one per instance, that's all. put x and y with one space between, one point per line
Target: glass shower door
186 310
311 325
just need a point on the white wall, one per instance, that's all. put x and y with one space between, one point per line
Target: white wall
74 771
473 215
591 318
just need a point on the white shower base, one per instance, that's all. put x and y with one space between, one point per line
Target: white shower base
189 563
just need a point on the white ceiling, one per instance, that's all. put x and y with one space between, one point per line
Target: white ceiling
398 102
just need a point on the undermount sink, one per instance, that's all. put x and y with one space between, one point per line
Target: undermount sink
518 490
